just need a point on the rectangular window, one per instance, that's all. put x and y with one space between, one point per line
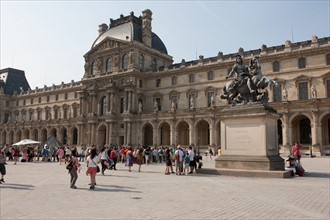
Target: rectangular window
56 114
75 95
65 113
31 101
302 63
47 114
191 78
48 98
39 100
122 105
328 88
75 112
56 97
277 93
210 75
209 99
303 91
140 83
328 59
174 79
276 66
7 103
17 103
158 83
65 96
24 102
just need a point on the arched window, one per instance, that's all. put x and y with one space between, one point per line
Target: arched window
93 68
104 105
141 61
109 65
125 62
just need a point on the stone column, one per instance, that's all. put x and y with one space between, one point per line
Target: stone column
316 129
128 132
155 133
109 101
286 131
112 102
79 134
192 136
212 131
129 104
173 134
110 130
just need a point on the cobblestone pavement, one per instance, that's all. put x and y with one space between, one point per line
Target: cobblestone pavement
41 190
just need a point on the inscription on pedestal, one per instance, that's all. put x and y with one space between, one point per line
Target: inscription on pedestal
240 137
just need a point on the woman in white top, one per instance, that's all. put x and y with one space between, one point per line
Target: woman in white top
104 159
92 161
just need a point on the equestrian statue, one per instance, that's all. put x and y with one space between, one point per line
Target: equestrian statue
249 86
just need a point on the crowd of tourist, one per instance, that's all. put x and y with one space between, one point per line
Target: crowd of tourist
178 160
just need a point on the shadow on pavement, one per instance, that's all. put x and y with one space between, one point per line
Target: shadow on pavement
317 175
16 186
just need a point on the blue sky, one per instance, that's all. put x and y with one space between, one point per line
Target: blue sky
47 39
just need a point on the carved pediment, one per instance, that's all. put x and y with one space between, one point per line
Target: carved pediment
302 78
109 43
174 93
211 89
158 95
191 91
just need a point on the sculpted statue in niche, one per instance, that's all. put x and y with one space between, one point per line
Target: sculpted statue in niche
156 106
249 86
86 66
173 105
313 92
212 100
115 61
192 102
284 94
131 57
140 107
99 64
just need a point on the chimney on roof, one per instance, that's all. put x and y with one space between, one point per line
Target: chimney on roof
146 27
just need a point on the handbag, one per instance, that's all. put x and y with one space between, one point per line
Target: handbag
97 167
69 166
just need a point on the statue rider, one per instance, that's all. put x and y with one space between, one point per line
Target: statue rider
242 75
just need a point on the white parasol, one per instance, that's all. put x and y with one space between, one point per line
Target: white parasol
26 142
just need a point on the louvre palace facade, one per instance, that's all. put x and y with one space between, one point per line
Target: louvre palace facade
133 93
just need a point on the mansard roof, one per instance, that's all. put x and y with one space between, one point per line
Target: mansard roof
13 80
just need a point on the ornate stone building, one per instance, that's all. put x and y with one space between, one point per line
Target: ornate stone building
133 93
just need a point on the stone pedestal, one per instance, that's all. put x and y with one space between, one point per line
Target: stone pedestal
249 139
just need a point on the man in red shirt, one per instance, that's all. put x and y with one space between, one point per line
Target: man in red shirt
296 150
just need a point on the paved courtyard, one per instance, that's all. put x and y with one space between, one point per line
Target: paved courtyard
41 190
